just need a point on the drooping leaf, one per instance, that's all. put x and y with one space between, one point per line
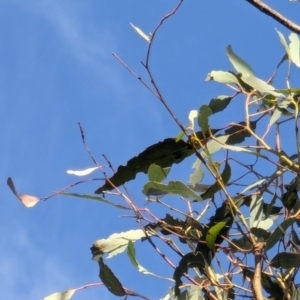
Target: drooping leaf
275 116
192 116
261 85
286 260
226 174
141 33
198 174
271 209
284 43
278 232
256 209
27 200
222 77
213 232
157 173
203 116
239 64
238 134
95 198
82 172
171 188
295 49
219 103
132 257
253 185
214 145
116 243
260 233
61 296
110 280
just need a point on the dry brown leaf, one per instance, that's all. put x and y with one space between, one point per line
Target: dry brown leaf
27 200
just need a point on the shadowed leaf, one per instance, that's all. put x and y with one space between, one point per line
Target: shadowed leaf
110 280
286 260
219 103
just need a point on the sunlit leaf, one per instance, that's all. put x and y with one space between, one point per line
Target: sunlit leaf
264 224
239 64
261 85
61 296
171 188
215 145
110 280
95 198
116 243
295 49
275 116
180 136
82 172
141 33
256 209
284 43
286 260
222 77
192 115
27 200
278 232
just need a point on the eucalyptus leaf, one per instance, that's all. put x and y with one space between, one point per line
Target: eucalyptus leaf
157 173
222 77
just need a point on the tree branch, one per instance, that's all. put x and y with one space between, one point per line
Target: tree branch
264 8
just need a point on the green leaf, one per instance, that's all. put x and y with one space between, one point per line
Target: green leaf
172 188
203 116
238 134
219 103
284 43
260 233
286 260
61 296
222 77
256 209
275 116
180 136
198 174
226 174
261 85
239 64
132 257
110 280
278 232
212 234
95 198
157 173
295 49
215 145
116 243
253 186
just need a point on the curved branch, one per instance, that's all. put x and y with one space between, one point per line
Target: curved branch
264 8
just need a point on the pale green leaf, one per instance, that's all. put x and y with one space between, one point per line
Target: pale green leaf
284 43
203 116
61 296
82 172
116 243
256 209
239 64
253 185
261 85
141 33
198 174
295 49
264 224
192 115
222 77
275 116
215 145
157 173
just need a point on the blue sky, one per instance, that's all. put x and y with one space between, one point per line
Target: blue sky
56 69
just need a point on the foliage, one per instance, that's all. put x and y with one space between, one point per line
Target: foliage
251 200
